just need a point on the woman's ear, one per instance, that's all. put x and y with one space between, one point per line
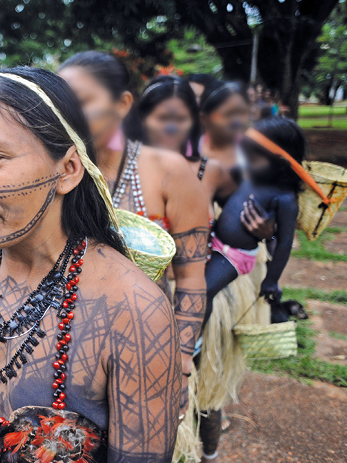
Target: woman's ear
124 104
71 170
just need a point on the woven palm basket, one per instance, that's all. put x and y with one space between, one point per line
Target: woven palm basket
267 342
152 248
313 216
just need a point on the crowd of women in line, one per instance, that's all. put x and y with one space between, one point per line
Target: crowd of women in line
182 156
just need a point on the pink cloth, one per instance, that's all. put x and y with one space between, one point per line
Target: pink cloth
117 141
243 260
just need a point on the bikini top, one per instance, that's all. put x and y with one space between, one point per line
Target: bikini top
130 180
45 435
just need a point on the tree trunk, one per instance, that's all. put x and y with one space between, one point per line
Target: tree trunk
289 87
254 57
294 102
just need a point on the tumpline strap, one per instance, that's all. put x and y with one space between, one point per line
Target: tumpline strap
266 143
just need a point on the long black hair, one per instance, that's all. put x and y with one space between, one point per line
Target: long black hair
201 79
290 137
164 87
217 92
112 74
84 210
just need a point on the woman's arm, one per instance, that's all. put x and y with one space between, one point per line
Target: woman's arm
144 378
286 216
187 210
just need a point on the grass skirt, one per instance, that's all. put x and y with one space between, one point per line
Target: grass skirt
188 443
222 366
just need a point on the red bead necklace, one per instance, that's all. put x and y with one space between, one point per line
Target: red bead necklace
64 326
64 336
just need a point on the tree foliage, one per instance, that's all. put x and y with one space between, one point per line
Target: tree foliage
289 29
331 70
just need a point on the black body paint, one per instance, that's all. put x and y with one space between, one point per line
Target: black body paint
189 311
191 246
24 190
229 229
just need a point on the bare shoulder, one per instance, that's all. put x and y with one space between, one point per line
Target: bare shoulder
218 178
123 283
166 160
288 202
214 169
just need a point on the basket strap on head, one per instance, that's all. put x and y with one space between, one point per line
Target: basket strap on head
269 145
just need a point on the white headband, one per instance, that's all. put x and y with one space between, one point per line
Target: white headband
156 85
219 89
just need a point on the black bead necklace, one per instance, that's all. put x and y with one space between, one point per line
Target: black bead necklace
26 320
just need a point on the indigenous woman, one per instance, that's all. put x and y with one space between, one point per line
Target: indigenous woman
170 118
225 116
152 182
89 356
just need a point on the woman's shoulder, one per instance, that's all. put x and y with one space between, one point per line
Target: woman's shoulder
120 281
165 159
219 178
214 168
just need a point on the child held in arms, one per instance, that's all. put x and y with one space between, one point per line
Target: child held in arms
268 152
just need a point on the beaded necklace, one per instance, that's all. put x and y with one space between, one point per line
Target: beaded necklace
131 175
55 291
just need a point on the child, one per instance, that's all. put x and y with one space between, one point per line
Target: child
270 178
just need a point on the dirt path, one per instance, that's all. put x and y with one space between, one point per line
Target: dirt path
304 273
280 420
340 219
338 245
327 146
328 276
330 320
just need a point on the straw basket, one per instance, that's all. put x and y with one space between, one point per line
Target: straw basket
151 247
314 217
267 341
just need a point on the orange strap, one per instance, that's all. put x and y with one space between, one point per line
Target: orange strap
295 165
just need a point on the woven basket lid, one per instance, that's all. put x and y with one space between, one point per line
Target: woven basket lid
152 248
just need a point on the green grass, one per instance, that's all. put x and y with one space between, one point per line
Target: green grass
334 334
322 123
302 294
305 366
319 111
314 250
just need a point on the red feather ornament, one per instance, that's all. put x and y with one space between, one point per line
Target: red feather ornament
44 435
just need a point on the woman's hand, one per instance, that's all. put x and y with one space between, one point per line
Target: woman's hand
271 291
257 220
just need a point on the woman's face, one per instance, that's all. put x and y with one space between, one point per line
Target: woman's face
28 182
228 121
103 113
169 124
